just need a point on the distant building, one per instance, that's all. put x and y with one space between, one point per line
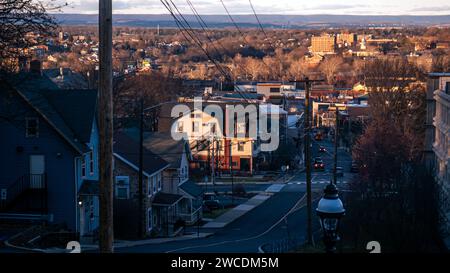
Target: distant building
348 39
325 44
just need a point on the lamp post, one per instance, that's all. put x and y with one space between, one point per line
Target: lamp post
330 210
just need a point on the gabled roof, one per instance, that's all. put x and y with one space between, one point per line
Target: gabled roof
166 147
127 150
68 79
163 145
77 108
70 112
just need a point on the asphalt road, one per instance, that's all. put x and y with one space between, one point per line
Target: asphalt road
280 218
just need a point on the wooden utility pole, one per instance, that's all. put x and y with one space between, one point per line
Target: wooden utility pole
106 234
336 146
307 140
141 170
308 164
231 170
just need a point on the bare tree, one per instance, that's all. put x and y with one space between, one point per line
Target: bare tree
22 25
329 67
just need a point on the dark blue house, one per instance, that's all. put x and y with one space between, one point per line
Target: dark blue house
48 152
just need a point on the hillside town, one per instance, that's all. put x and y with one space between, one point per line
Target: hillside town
363 110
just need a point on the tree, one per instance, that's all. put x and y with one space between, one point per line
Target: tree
298 69
153 88
22 24
329 67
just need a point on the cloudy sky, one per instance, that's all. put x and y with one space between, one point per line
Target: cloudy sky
354 7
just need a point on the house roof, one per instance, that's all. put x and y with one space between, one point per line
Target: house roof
68 79
165 146
192 189
166 199
127 150
77 108
70 112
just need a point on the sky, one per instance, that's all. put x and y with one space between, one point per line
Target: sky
353 7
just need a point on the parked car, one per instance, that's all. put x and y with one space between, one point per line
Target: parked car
322 149
212 205
210 202
318 164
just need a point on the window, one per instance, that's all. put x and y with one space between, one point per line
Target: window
234 163
91 162
195 127
122 187
274 90
32 127
83 166
150 186
241 146
241 128
180 126
159 181
149 219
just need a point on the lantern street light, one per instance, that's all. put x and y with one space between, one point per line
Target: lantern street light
330 210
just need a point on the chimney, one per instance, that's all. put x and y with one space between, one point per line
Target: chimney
35 67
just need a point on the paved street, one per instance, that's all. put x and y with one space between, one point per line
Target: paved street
281 217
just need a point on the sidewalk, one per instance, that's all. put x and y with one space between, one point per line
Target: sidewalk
238 211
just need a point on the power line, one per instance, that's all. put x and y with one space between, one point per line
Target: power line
204 26
257 19
234 23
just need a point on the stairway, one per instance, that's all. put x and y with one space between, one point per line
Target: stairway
27 194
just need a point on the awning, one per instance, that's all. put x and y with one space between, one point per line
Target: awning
166 199
89 187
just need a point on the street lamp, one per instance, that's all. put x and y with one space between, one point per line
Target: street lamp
330 210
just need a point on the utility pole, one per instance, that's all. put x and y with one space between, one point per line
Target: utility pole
307 140
308 164
231 171
213 170
106 234
141 170
336 146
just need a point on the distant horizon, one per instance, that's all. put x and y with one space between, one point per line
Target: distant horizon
267 14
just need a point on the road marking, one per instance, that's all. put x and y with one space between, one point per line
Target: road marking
292 210
275 188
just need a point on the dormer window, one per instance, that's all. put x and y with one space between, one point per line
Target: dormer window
32 127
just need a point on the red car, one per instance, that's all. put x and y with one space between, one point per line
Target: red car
318 165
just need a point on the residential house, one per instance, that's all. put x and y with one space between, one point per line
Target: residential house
176 177
211 146
49 151
160 209
437 147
